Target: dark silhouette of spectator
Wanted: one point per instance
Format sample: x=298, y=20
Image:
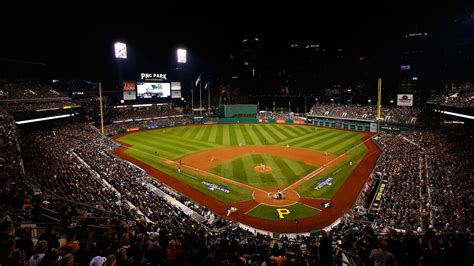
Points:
x=381, y=256
x=50, y=237
x=325, y=248
x=6, y=250
x=41, y=250
x=411, y=248
x=25, y=242
x=17, y=258
x=394, y=245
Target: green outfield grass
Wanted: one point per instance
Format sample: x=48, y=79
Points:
x=284, y=171
x=193, y=179
x=338, y=174
x=177, y=142
x=297, y=211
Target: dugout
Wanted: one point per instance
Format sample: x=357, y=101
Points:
x=238, y=111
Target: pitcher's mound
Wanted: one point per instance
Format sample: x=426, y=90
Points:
x=262, y=168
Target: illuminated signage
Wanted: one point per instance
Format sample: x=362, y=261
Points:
x=405, y=99
x=405, y=67
x=147, y=76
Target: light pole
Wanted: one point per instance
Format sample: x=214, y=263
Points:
x=120, y=49
x=181, y=59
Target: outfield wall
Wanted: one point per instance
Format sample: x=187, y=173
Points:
x=255, y=120
x=203, y=121
x=349, y=124
x=233, y=110
x=361, y=125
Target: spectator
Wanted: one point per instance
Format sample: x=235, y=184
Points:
x=381, y=256
x=50, y=237
x=41, y=250
x=325, y=248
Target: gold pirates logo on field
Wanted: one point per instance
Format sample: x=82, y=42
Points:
x=283, y=212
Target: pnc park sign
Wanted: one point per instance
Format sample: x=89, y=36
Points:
x=152, y=76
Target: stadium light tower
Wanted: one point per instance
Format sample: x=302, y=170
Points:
x=181, y=55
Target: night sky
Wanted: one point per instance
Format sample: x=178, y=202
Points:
x=79, y=44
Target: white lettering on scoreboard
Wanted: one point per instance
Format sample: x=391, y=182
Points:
x=145, y=76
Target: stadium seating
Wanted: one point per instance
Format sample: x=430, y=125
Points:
x=388, y=113
x=108, y=211
x=121, y=114
x=461, y=96
x=27, y=89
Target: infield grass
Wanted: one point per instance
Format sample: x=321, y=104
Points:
x=297, y=211
x=176, y=142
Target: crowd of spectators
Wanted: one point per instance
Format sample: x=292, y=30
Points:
x=115, y=128
x=172, y=238
x=10, y=155
x=408, y=115
x=118, y=219
x=132, y=113
x=130, y=183
x=49, y=160
x=35, y=105
x=447, y=150
x=399, y=166
x=26, y=89
x=461, y=96
x=277, y=116
x=30, y=95
x=377, y=244
x=449, y=153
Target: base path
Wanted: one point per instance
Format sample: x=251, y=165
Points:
x=208, y=159
x=341, y=202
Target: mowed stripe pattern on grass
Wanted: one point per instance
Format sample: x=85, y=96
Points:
x=177, y=142
x=284, y=171
x=173, y=143
x=236, y=134
x=193, y=179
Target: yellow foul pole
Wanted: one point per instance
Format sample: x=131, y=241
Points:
x=101, y=111
x=379, y=99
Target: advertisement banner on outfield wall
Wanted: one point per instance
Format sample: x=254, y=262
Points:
x=133, y=129
x=280, y=121
x=298, y=122
x=405, y=99
x=373, y=127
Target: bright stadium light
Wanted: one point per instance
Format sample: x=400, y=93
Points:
x=43, y=119
x=120, y=50
x=181, y=53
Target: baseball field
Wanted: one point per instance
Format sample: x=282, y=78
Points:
x=280, y=178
